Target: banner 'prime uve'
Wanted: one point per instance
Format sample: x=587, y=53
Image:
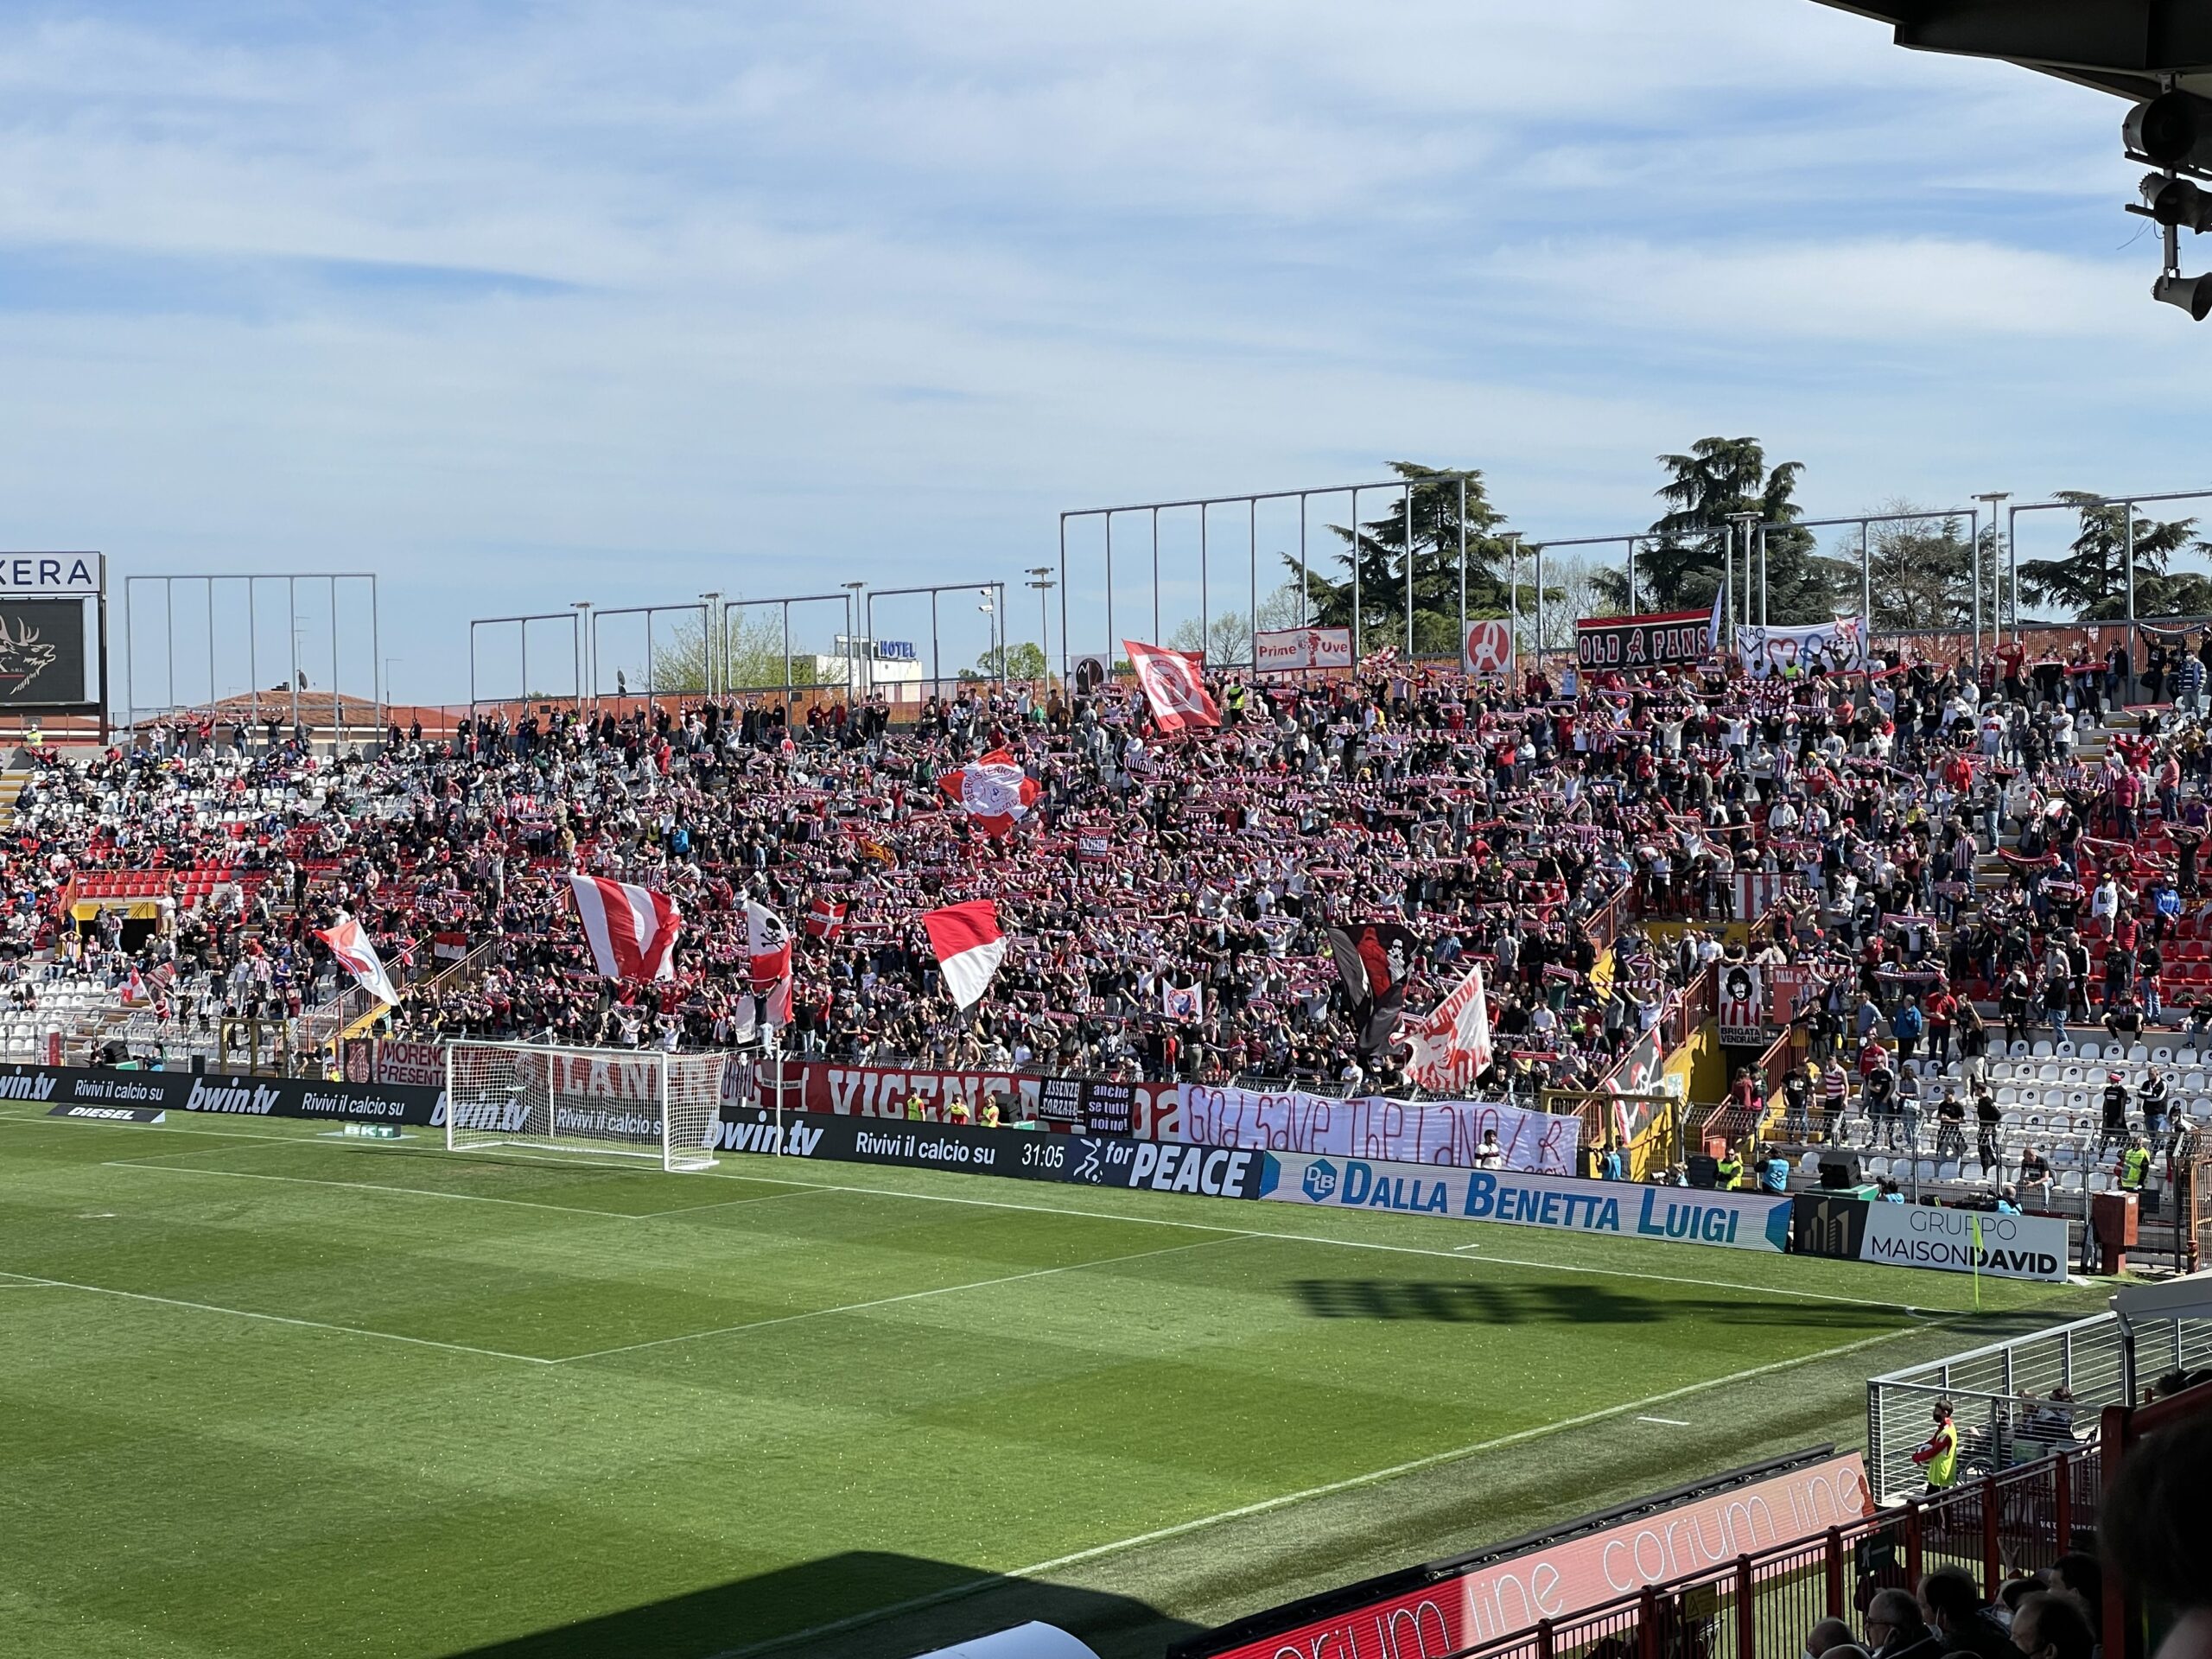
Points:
x=1742, y=1221
x=1667, y=640
x=1427, y=1132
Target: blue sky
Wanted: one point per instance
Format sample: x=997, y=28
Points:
x=519, y=305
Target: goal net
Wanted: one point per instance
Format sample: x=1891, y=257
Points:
x=610, y=1102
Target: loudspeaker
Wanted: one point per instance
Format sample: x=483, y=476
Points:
x=1837, y=1174
x=1704, y=1170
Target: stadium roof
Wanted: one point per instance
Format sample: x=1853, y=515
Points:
x=2122, y=47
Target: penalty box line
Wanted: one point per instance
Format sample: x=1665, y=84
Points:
x=1372, y=1477
x=29, y=1279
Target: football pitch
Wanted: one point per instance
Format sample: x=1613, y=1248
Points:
x=266, y=1391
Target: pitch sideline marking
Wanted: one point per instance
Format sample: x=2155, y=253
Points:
x=1907, y=1308
x=1284, y=1500
x=29, y=1280
x=886, y=1301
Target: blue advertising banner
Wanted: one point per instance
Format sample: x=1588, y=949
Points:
x=1682, y=1215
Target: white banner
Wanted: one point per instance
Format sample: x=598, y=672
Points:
x=1742, y=1007
x=1488, y=648
x=1426, y=1132
x=1837, y=646
x=1960, y=1241
x=1283, y=649
x=1685, y=1215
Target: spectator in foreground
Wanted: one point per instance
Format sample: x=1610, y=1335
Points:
x=2157, y=1528
x=1950, y=1600
x=2053, y=1624
x=1895, y=1629
x=1827, y=1637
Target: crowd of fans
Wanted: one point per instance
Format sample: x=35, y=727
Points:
x=1516, y=828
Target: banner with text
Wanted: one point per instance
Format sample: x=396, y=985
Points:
x=1593, y=1566
x=1836, y=646
x=1680, y=1215
x=1147, y=1110
x=1626, y=643
x=1284, y=650
x=1423, y=1132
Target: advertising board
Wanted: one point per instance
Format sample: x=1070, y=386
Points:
x=183, y=1091
x=1497, y=1596
x=1282, y=650
x=1741, y=1221
x=1144, y=1109
x=1024, y=1154
x=1928, y=1235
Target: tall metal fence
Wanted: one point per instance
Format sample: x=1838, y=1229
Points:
x=2001, y=1394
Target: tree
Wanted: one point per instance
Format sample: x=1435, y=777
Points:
x=1023, y=661
x=1680, y=567
x=1921, y=571
x=754, y=662
x=2091, y=581
x=1380, y=546
x=1573, y=588
x=1226, y=639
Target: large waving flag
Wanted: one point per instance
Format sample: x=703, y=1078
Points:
x=968, y=946
x=994, y=791
x=1452, y=1043
x=631, y=929
x=1172, y=687
x=1713, y=624
x=768, y=949
x=350, y=946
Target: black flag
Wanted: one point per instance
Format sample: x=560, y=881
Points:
x=1374, y=960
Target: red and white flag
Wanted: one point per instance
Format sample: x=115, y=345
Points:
x=631, y=929
x=1452, y=1044
x=825, y=919
x=350, y=946
x=994, y=791
x=768, y=948
x=1171, y=688
x=966, y=940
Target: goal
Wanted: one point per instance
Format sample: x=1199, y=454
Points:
x=610, y=1102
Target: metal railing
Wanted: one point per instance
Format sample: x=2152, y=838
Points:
x=1988, y=1388
x=1765, y=1603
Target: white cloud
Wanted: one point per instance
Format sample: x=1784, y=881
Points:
x=869, y=288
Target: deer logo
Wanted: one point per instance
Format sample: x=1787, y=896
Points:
x=23, y=659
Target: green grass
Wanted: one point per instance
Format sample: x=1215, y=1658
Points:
x=500, y=1404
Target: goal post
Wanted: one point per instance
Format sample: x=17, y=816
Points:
x=592, y=1102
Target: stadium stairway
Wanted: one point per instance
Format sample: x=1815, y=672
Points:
x=11, y=786
x=1989, y=874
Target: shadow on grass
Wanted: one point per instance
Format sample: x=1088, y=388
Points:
x=1457, y=1302
x=819, y=1609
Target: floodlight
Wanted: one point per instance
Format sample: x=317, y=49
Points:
x=2177, y=202
x=2192, y=294
x=2173, y=130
